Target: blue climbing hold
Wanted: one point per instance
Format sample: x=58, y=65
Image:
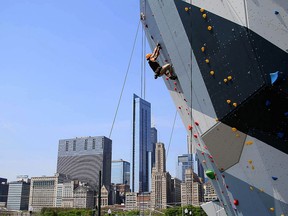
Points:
x=268, y=103
x=276, y=12
x=274, y=77
x=274, y=178
x=280, y=135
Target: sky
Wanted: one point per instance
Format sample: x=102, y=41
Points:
x=62, y=68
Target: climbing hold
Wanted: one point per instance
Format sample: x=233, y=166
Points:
x=175, y=83
x=235, y=104
x=225, y=80
x=202, y=153
x=210, y=174
x=186, y=9
x=205, y=147
x=274, y=77
x=228, y=101
x=249, y=142
x=196, y=123
x=210, y=156
x=261, y=190
x=229, y=78
x=274, y=178
x=175, y=89
x=236, y=202
x=216, y=119
x=167, y=78
x=190, y=127
x=209, y=28
x=202, y=10
x=185, y=100
x=280, y=135
x=207, y=61
x=204, y=161
x=204, y=16
x=212, y=72
x=252, y=167
x=234, y=129
x=276, y=12
x=251, y=188
x=272, y=209
x=227, y=186
x=250, y=161
x=179, y=107
x=203, y=49
x=223, y=175
x=237, y=135
x=195, y=135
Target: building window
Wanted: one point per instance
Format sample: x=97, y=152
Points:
x=94, y=144
x=74, y=145
x=85, y=144
x=67, y=145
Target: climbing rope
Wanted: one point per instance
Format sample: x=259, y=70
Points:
x=171, y=134
x=123, y=86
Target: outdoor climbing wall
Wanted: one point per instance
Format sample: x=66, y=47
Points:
x=231, y=92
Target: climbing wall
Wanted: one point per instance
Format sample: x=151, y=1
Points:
x=231, y=93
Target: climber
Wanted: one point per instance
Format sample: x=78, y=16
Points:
x=158, y=70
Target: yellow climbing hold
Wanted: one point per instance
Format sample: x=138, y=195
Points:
x=209, y=28
x=186, y=9
x=204, y=16
x=203, y=49
x=237, y=135
x=272, y=209
x=225, y=80
x=216, y=119
x=249, y=142
x=207, y=61
x=252, y=167
x=202, y=10
x=229, y=78
x=212, y=72
x=234, y=129
x=250, y=161
x=251, y=188
x=228, y=101
x=235, y=104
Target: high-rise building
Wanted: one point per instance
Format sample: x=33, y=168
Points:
x=209, y=192
x=120, y=172
x=153, y=144
x=18, y=195
x=83, y=158
x=191, y=189
x=44, y=191
x=161, y=180
x=142, y=146
x=175, y=191
x=185, y=161
x=3, y=190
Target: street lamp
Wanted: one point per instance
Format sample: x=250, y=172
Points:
x=190, y=213
x=186, y=211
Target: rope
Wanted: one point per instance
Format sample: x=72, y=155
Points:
x=116, y=112
x=171, y=134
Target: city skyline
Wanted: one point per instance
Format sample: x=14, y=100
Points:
x=63, y=66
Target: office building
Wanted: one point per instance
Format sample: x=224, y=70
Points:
x=83, y=197
x=83, y=158
x=154, y=139
x=141, y=146
x=18, y=195
x=185, y=161
x=44, y=191
x=191, y=189
x=120, y=172
x=161, y=180
x=209, y=192
x=175, y=191
x=3, y=191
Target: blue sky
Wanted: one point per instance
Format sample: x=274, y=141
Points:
x=62, y=67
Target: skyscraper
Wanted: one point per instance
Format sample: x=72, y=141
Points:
x=142, y=146
x=185, y=161
x=83, y=158
x=161, y=180
x=153, y=145
x=18, y=195
x=120, y=172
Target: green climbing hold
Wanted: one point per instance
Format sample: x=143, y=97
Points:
x=210, y=174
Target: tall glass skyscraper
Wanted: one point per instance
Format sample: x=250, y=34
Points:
x=142, y=146
x=120, y=172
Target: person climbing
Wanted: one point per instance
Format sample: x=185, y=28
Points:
x=159, y=70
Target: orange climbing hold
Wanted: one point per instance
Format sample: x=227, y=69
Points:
x=250, y=161
x=234, y=129
x=228, y=101
x=202, y=10
x=190, y=127
x=249, y=142
x=212, y=72
x=207, y=61
x=209, y=28
x=235, y=104
x=186, y=9
x=203, y=49
x=272, y=209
